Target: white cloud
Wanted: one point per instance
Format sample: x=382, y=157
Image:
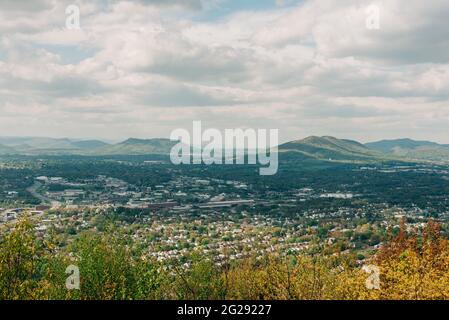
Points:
x=151, y=65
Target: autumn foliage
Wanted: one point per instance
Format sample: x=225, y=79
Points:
x=414, y=264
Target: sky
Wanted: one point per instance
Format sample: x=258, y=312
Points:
x=143, y=68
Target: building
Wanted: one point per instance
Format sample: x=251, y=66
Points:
x=224, y=204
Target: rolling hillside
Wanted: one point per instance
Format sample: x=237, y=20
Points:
x=312, y=148
x=136, y=147
x=50, y=146
x=5, y=150
x=89, y=144
x=38, y=146
x=37, y=143
x=331, y=149
x=412, y=149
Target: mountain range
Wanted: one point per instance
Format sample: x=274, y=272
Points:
x=330, y=148
x=136, y=147
x=411, y=149
x=51, y=146
x=34, y=145
x=315, y=148
x=343, y=150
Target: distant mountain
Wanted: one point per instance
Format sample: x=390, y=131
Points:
x=389, y=146
x=312, y=148
x=412, y=149
x=49, y=146
x=89, y=144
x=5, y=150
x=137, y=147
x=330, y=148
x=37, y=143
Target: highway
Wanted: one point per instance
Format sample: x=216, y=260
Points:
x=33, y=191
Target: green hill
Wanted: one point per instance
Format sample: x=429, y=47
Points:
x=312, y=148
x=49, y=146
x=37, y=143
x=331, y=149
x=412, y=149
x=137, y=147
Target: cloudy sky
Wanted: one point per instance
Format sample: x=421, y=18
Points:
x=145, y=67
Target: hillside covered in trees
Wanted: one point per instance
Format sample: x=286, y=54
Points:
x=412, y=264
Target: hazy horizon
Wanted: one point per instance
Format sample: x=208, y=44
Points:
x=115, y=141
